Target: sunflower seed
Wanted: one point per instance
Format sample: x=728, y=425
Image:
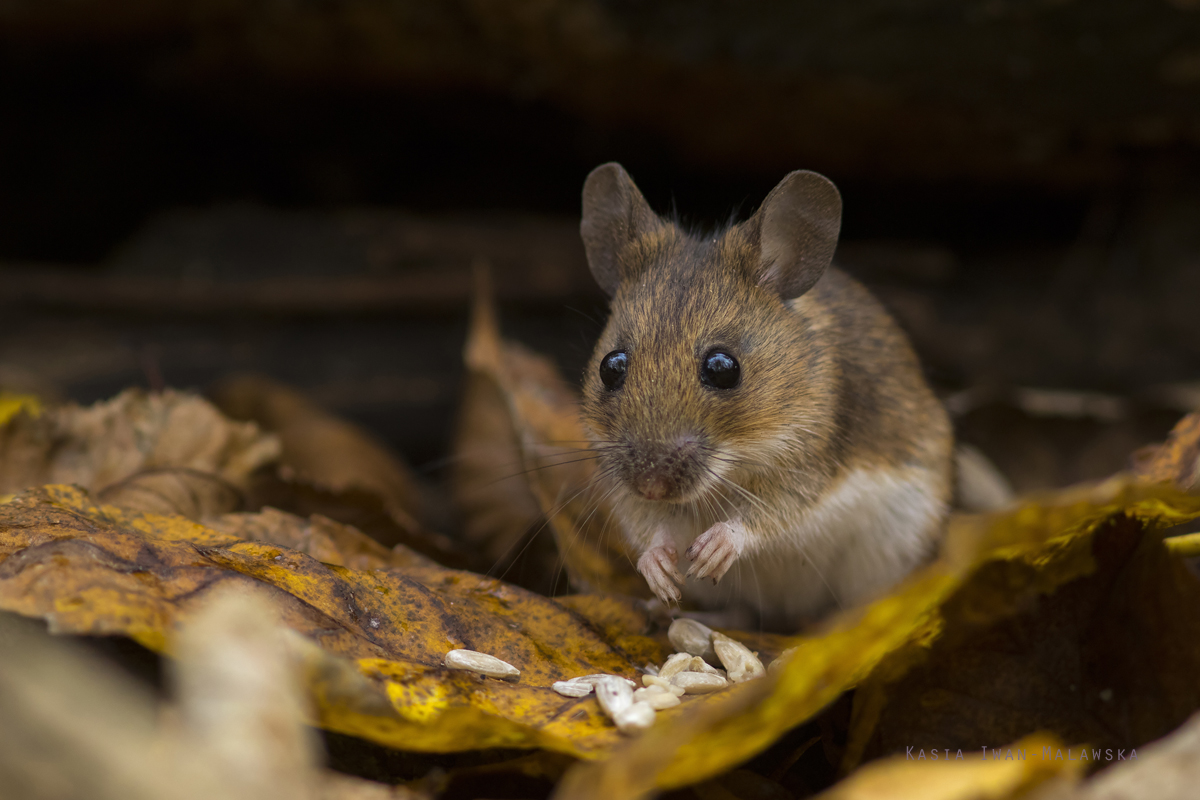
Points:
x=481, y=663
x=572, y=688
x=666, y=700
x=740, y=663
x=614, y=695
x=694, y=638
x=658, y=697
x=635, y=718
x=583, y=685
x=654, y=680
x=675, y=663
x=698, y=664
x=699, y=682
x=595, y=676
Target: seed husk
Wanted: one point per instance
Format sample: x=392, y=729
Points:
x=693, y=638
x=699, y=682
x=481, y=663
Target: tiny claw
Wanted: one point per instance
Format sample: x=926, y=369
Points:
x=714, y=551
x=657, y=566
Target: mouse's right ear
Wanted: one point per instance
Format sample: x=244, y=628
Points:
x=614, y=214
x=798, y=226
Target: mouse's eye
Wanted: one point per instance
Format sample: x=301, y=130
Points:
x=720, y=370
x=613, y=368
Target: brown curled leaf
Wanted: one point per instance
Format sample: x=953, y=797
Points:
x=551, y=452
x=1176, y=460
x=157, y=449
x=331, y=467
x=173, y=490
x=491, y=491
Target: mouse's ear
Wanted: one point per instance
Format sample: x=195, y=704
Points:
x=614, y=214
x=798, y=227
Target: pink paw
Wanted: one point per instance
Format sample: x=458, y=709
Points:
x=657, y=566
x=714, y=551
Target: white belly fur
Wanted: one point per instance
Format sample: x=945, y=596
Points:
x=861, y=539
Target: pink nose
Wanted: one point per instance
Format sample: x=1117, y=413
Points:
x=652, y=486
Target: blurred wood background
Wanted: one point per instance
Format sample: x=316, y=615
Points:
x=193, y=188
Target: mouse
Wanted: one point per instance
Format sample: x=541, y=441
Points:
x=764, y=433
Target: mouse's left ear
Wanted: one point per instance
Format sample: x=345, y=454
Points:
x=798, y=227
x=614, y=215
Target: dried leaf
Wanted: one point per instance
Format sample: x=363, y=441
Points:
x=72, y=727
x=333, y=468
x=1177, y=460
x=366, y=512
x=491, y=492
x=101, y=570
x=320, y=537
x=323, y=450
x=241, y=708
x=552, y=443
x=186, y=492
x=1107, y=657
x=101, y=447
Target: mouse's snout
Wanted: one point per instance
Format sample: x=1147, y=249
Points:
x=666, y=470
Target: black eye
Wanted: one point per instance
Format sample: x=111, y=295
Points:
x=612, y=369
x=720, y=370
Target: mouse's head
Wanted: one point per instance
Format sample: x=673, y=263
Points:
x=704, y=370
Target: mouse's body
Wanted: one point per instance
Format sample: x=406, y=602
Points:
x=760, y=419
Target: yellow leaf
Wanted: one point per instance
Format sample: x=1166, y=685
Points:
x=103, y=570
x=13, y=404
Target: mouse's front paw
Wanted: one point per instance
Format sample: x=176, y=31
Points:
x=715, y=550
x=657, y=566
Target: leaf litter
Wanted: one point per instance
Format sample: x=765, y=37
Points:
x=1062, y=617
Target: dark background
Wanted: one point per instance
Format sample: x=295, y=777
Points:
x=189, y=189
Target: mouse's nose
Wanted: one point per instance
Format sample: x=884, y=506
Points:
x=652, y=486
x=666, y=470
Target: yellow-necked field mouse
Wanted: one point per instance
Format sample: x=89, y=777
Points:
x=762, y=425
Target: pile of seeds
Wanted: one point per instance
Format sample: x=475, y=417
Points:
x=692, y=670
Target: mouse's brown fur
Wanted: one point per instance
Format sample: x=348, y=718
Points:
x=830, y=404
